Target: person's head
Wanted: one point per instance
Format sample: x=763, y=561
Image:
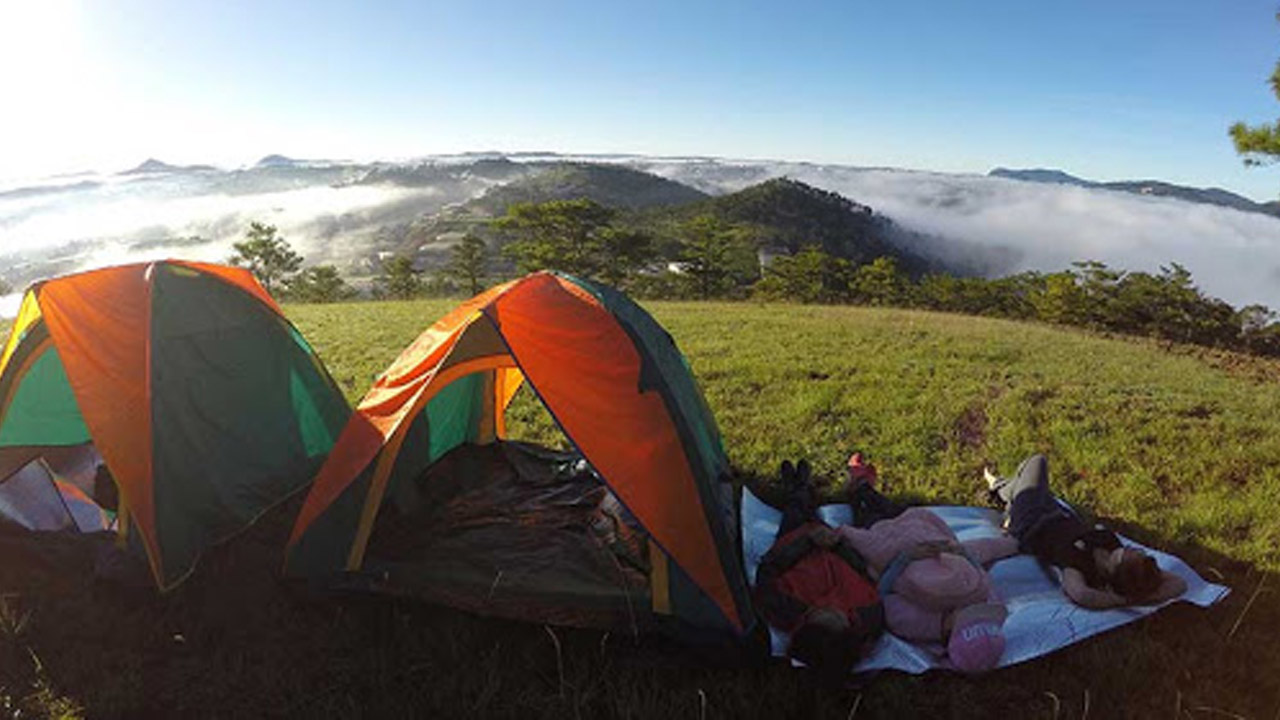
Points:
x=826, y=643
x=1134, y=574
x=977, y=637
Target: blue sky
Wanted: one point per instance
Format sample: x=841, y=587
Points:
x=1106, y=90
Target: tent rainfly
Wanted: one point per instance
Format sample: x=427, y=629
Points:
x=615, y=383
x=205, y=404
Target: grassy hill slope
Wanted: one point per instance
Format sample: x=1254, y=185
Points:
x=1179, y=449
x=784, y=215
x=610, y=185
x=1165, y=440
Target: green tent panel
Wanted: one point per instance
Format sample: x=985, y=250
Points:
x=43, y=410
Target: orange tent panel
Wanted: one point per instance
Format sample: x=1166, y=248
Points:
x=101, y=324
x=587, y=370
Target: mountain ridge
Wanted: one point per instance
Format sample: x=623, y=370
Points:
x=782, y=215
x=152, y=165
x=1158, y=188
x=353, y=213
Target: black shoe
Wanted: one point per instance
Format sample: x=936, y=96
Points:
x=803, y=473
x=787, y=477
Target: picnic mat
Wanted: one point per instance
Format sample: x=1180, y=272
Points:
x=1041, y=618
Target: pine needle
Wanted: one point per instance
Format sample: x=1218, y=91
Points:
x=854, y=710
x=1057, y=704
x=1247, y=605
x=559, y=657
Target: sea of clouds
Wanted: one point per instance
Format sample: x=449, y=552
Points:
x=118, y=222
x=1012, y=225
x=1232, y=254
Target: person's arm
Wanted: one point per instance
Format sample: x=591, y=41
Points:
x=853, y=540
x=1171, y=586
x=845, y=550
x=1074, y=585
x=853, y=535
x=989, y=550
x=824, y=537
x=786, y=553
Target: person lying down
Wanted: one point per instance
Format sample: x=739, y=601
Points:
x=897, y=567
x=1094, y=568
x=813, y=586
x=935, y=588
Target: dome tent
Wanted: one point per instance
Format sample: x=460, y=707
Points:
x=623, y=395
x=203, y=401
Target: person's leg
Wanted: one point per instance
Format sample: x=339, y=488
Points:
x=802, y=503
x=800, y=509
x=1033, y=476
x=1028, y=497
x=870, y=507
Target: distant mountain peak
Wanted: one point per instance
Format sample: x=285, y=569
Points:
x=1040, y=175
x=151, y=165
x=276, y=161
x=1153, y=188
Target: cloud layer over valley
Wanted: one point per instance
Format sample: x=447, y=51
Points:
x=1232, y=254
x=330, y=215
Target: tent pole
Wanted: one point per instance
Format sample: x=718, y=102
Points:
x=122, y=520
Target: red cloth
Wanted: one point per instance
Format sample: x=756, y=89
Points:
x=823, y=579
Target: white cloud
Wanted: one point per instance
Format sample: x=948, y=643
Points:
x=124, y=214
x=1233, y=255
x=9, y=305
x=126, y=219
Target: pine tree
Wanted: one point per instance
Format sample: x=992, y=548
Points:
x=267, y=255
x=1259, y=144
x=470, y=262
x=400, y=280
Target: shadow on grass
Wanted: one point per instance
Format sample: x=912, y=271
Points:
x=236, y=641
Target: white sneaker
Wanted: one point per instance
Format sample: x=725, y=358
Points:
x=990, y=477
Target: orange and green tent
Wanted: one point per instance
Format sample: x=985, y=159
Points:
x=615, y=383
x=205, y=404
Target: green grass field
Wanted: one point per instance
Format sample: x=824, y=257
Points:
x=1177, y=447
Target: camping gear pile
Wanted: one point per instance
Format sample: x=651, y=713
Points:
x=170, y=404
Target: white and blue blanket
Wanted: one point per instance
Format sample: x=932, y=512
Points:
x=1041, y=618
